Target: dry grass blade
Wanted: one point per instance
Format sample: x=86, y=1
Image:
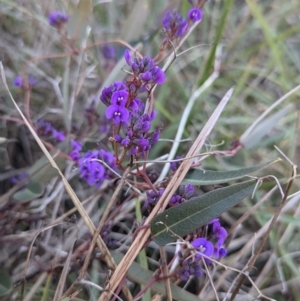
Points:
x=63, y=276
x=165, y=273
x=144, y=233
x=100, y=243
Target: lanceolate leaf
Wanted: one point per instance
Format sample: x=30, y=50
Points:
x=33, y=190
x=187, y=217
x=205, y=177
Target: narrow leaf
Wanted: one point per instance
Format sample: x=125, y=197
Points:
x=264, y=128
x=32, y=191
x=142, y=276
x=190, y=216
x=6, y=284
x=218, y=35
x=208, y=177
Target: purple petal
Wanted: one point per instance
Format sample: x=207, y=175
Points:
x=134, y=105
x=110, y=111
x=119, y=98
x=127, y=57
x=146, y=76
x=158, y=75
x=199, y=242
x=18, y=82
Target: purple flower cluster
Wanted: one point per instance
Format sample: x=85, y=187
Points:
x=219, y=235
x=152, y=198
x=57, y=19
x=90, y=169
x=144, y=70
x=184, y=193
x=45, y=128
x=190, y=264
x=127, y=111
x=175, y=25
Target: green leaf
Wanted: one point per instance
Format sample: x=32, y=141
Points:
x=5, y=283
x=208, y=177
x=190, y=216
x=142, y=276
x=218, y=35
x=32, y=191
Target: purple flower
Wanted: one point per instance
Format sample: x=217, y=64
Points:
x=147, y=76
x=75, y=151
x=152, y=198
x=45, y=127
x=108, y=52
x=188, y=267
x=134, y=105
x=107, y=93
x=75, y=155
x=59, y=136
x=174, y=165
x=118, y=113
x=91, y=170
x=76, y=145
x=219, y=231
x=18, y=82
x=57, y=19
x=195, y=14
x=203, y=245
x=158, y=75
x=125, y=142
x=108, y=158
x=219, y=252
x=184, y=193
